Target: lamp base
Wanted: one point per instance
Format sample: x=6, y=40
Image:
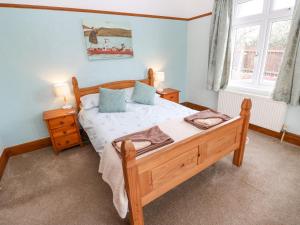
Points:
x=67, y=107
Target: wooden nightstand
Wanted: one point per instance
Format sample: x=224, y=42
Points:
x=170, y=94
x=63, y=128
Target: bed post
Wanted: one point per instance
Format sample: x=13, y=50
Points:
x=132, y=184
x=245, y=114
x=151, y=77
x=76, y=92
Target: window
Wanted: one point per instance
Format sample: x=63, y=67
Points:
x=249, y=8
x=283, y=4
x=259, y=38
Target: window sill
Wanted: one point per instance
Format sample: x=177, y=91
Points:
x=251, y=90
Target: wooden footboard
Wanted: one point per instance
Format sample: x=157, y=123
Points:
x=150, y=177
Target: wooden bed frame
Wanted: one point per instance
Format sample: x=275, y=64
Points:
x=150, y=177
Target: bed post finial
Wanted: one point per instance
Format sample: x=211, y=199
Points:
x=132, y=184
x=245, y=115
x=151, y=77
x=246, y=106
x=128, y=151
x=76, y=91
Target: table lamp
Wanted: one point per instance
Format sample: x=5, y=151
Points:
x=62, y=90
x=159, y=78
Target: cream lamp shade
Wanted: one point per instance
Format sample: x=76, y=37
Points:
x=160, y=76
x=62, y=90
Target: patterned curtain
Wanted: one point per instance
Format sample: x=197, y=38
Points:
x=219, y=46
x=288, y=83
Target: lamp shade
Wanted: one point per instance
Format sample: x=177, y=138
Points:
x=61, y=89
x=160, y=76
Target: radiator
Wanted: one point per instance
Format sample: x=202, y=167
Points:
x=265, y=112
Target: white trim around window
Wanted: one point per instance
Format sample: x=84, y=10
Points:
x=264, y=20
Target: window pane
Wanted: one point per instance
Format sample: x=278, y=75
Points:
x=278, y=41
x=245, y=53
x=283, y=4
x=249, y=8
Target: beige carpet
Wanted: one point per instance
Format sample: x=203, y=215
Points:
x=41, y=188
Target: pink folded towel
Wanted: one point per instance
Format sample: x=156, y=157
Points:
x=206, y=119
x=144, y=141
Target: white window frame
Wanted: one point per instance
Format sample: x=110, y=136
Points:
x=265, y=20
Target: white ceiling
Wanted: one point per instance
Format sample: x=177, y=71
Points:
x=176, y=8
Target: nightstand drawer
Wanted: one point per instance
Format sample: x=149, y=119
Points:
x=60, y=122
x=68, y=140
x=172, y=97
x=58, y=132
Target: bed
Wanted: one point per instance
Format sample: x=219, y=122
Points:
x=136, y=181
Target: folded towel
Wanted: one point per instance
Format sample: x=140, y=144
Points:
x=206, y=119
x=144, y=141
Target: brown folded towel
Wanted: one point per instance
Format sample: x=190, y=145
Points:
x=206, y=119
x=144, y=141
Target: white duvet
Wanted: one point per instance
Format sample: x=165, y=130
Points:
x=103, y=128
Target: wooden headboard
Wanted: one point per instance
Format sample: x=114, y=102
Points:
x=79, y=92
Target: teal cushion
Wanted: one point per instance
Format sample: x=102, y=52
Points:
x=143, y=93
x=112, y=100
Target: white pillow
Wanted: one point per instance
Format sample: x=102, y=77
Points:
x=90, y=101
x=128, y=94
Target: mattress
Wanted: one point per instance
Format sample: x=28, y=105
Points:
x=103, y=128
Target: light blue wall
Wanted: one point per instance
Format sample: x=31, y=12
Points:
x=39, y=48
x=197, y=55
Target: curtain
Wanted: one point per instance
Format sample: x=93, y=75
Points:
x=287, y=87
x=219, y=45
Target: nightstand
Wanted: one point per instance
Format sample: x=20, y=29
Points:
x=169, y=94
x=63, y=128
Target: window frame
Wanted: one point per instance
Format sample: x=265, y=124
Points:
x=265, y=20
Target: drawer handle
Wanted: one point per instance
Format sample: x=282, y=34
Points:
x=65, y=132
x=61, y=122
x=182, y=165
x=67, y=142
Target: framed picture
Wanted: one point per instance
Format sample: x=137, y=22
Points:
x=107, y=40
